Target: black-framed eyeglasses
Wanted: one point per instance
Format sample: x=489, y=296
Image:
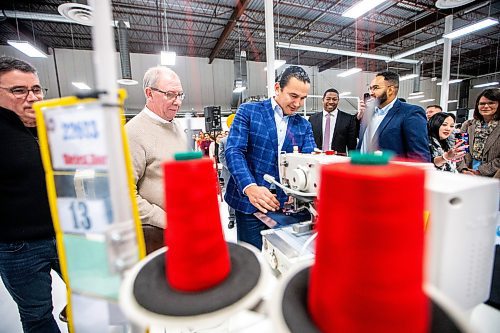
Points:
x=170, y=94
x=376, y=87
x=22, y=92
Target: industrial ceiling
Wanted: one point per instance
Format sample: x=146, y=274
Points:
x=216, y=28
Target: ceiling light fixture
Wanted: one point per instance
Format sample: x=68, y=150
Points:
x=408, y=77
x=345, y=93
x=427, y=100
x=277, y=64
x=416, y=97
x=482, y=85
x=453, y=101
x=351, y=71
x=26, y=48
x=300, y=47
x=362, y=7
x=416, y=93
x=419, y=49
x=450, y=82
x=81, y=85
x=488, y=22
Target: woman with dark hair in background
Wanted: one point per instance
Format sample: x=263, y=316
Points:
x=444, y=151
x=484, y=156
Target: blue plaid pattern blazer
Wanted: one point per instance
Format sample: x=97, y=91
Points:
x=252, y=150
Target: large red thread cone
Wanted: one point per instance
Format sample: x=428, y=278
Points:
x=367, y=276
x=197, y=256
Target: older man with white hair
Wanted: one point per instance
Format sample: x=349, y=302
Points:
x=154, y=136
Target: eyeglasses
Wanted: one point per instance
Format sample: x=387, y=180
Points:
x=169, y=94
x=375, y=87
x=490, y=104
x=23, y=92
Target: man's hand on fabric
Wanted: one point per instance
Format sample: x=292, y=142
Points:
x=262, y=198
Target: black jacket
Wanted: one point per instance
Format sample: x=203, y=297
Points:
x=24, y=206
x=344, y=133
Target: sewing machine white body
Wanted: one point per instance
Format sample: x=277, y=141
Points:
x=460, y=235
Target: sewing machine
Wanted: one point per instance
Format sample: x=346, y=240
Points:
x=460, y=235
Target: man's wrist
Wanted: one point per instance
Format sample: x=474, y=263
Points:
x=246, y=187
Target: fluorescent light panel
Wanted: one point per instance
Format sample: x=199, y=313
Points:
x=416, y=93
x=453, y=101
x=167, y=58
x=277, y=64
x=416, y=97
x=419, y=49
x=345, y=93
x=362, y=7
x=127, y=82
x=427, y=100
x=408, y=77
x=450, y=82
x=27, y=48
x=482, y=85
x=81, y=85
x=488, y=22
x=351, y=71
x=239, y=89
x=343, y=52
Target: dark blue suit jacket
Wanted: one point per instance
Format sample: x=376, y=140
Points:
x=403, y=131
x=252, y=150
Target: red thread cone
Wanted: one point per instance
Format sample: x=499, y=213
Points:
x=197, y=256
x=368, y=271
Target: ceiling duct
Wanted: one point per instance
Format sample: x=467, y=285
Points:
x=240, y=78
x=123, y=47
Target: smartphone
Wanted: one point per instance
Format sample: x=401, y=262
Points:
x=366, y=97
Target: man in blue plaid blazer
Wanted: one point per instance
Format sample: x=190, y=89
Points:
x=260, y=131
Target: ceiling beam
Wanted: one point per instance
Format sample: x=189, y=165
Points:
x=238, y=11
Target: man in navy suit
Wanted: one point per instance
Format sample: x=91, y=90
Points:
x=395, y=126
x=333, y=129
x=260, y=131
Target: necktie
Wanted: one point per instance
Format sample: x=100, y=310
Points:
x=326, y=135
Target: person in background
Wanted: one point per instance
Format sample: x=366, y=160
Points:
x=214, y=148
x=154, y=136
x=394, y=126
x=432, y=110
x=205, y=144
x=483, y=158
x=333, y=129
x=27, y=241
x=226, y=175
x=445, y=153
x=260, y=131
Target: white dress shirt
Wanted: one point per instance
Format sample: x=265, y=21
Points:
x=281, y=123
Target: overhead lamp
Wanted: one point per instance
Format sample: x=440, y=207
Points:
x=240, y=89
x=416, y=97
x=453, y=101
x=167, y=58
x=419, y=49
x=482, y=85
x=362, y=7
x=26, y=48
x=427, y=100
x=345, y=93
x=238, y=86
x=351, y=71
x=127, y=82
x=277, y=64
x=468, y=29
x=408, y=77
x=450, y=82
x=416, y=93
x=81, y=85
x=300, y=47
